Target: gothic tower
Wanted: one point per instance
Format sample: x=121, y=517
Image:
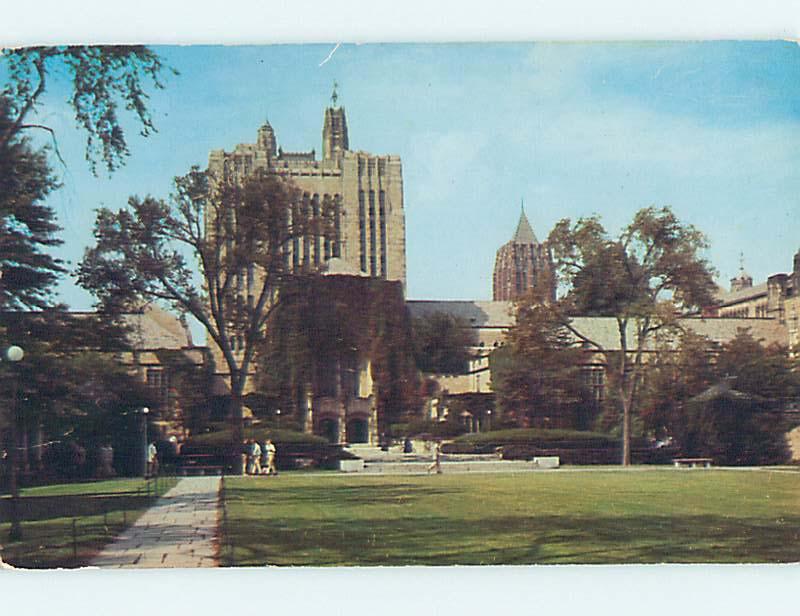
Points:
x=334, y=133
x=523, y=264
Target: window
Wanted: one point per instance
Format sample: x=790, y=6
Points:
x=157, y=382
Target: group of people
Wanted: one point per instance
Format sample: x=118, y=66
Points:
x=260, y=460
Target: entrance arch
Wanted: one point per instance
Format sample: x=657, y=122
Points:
x=329, y=429
x=358, y=431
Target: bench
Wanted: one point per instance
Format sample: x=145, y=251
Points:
x=691, y=462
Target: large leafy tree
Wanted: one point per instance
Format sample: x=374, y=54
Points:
x=441, y=343
x=240, y=232
x=28, y=226
x=681, y=369
x=642, y=279
x=104, y=80
x=537, y=373
x=739, y=419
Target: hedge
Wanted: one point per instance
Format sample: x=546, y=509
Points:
x=537, y=436
x=219, y=438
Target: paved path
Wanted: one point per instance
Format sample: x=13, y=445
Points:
x=180, y=530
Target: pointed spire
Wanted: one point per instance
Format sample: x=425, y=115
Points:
x=335, y=94
x=524, y=233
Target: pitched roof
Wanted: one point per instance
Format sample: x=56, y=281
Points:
x=524, y=233
x=155, y=328
x=476, y=313
x=602, y=330
x=734, y=297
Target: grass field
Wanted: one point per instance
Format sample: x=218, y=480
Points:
x=651, y=516
x=100, y=510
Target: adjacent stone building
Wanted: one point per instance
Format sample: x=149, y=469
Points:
x=523, y=265
x=777, y=298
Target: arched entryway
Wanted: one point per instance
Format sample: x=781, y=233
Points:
x=329, y=429
x=358, y=431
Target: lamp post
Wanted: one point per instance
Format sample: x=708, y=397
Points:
x=488, y=420
x=278, y=420
x=144, y=413
x=14, y=354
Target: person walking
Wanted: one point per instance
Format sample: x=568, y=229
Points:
x=437, y=459
x=256, y=453
x=152, y=460
x=270, y=451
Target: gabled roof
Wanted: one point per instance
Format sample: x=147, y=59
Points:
x=748, y=293
x=476, y=313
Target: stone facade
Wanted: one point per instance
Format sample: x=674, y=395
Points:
x=523, y=265
x=363, y=191
x=772, y=299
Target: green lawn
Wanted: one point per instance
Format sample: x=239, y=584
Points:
x=100, y=510
x=647, y=516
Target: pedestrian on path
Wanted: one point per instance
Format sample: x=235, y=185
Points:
x=256, y=458
x=437, y=459
x=269, y=452
x=152, y=460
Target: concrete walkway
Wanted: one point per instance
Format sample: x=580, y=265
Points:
x=180, y=530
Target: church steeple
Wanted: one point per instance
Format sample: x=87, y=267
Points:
x=334, y=129
x=524, y=233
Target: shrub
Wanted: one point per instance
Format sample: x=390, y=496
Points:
x=218, y=438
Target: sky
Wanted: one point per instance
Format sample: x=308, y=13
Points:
x=711, y=129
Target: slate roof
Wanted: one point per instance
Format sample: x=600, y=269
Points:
x=603, y=330
x=155, y=328
x=726, y=299
x=478, y=314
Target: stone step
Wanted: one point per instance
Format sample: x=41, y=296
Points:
x=450, y=466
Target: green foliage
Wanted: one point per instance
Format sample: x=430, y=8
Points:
x=441, y=343
x=238, y=232
x=536, y=435
x=766, y=371
x=329, y=323
x=537, y=373
x=27, y=225
x=733, y=432
x=654, y=269
x=103, y=78
x=219, y=437
x=435, y=429
x=743, y=424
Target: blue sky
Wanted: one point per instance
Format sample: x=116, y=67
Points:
x=712, y=129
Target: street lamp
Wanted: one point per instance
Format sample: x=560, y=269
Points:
x=278, y=413
x=488, y=420
x=144, y=413
x=14, y=354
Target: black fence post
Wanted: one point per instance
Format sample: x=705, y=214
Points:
x=74, y=538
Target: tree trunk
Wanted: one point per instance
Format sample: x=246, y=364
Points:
x=237, y=424
x=626, y=428
x=625, y=391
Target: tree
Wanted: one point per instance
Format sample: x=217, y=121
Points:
x=102, y=78
x=641, y=279
x=27, y=225
x=723, y=401
x=537, y=373
x=239, y=232
x=441, y=343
